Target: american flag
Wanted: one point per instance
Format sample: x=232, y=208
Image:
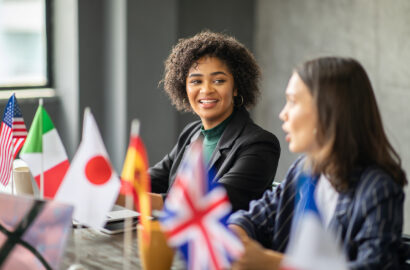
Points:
x=194, y=216
x=13, y=134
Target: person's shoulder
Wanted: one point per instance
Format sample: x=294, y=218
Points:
x=192, y=126
x=295, y=169
x=374, y=180
x=189, y=130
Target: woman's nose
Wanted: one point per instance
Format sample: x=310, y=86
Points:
x=283, y=114
x=207, y=87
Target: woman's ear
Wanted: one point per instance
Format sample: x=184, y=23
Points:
x=235, y=92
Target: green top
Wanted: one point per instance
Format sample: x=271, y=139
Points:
x=211, y=138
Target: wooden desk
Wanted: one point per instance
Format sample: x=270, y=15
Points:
x=102, y=251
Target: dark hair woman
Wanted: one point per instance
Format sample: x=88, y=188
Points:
x=216, y=77
x=332, y=117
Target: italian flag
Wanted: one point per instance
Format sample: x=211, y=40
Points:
x=44, y=152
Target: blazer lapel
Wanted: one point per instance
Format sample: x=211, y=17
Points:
x=341, y=220
x=231, y=133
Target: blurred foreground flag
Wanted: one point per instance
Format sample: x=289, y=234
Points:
x=44, y=153
x=136, y=180
x=33, y=233
x=90, y=184
x=195, y=214
x=13, y=134
x=311, y=247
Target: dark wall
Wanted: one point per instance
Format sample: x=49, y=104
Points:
x=91, y=47
x=152, y=30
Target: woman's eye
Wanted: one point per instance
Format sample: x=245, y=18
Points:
x=195, y=82
x=220, y=81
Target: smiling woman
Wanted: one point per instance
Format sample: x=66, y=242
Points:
x=210, y=90
x=216, y=77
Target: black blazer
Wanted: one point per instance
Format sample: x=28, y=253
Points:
x=244, y=160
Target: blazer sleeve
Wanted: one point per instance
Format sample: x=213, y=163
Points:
x=378, y=240
x=252, y=171
x=160, y=173
x=259, y=220
x=269, y=219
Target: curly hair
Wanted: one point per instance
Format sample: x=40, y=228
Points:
x=236, y=56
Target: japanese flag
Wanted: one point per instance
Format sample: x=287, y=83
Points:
x=91, y=184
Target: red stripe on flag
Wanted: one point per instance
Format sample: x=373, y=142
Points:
x=53, y=178
x=17, y=145
x=6, y=155
x=19, y=136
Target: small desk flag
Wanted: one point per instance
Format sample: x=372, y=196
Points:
x=13, y=134
x=44, y=153
x=90, y=184
x=311, y=246
x=195, y=214
x=136, y=180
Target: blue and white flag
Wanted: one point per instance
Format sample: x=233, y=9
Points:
x=311, y=246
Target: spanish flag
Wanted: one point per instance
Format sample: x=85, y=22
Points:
x=136, y=180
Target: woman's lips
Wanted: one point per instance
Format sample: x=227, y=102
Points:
x=208, y=103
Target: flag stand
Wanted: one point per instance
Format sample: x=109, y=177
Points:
x=77, y=247
x=127, y=234
x=135, y=126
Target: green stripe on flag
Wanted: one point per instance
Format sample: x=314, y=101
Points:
x=34, y=141
x=41, y=125
x=47, y=123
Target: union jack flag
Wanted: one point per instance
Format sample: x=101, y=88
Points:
x=13, y=134
x=195, y=214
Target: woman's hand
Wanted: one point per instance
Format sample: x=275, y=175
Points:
x=156, y=201
x=255, y=256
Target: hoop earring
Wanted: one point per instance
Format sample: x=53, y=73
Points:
x=240, y=104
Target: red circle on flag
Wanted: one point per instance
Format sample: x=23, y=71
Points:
x=98, y=170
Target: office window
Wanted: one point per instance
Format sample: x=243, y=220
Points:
x=24, y=48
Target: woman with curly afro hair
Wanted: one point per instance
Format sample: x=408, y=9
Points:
x=216, y=77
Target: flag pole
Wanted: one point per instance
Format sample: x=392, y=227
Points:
x=40, y=103
x=77, y=232
x=12, y=169
x=135, y=130
x=12, y=162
